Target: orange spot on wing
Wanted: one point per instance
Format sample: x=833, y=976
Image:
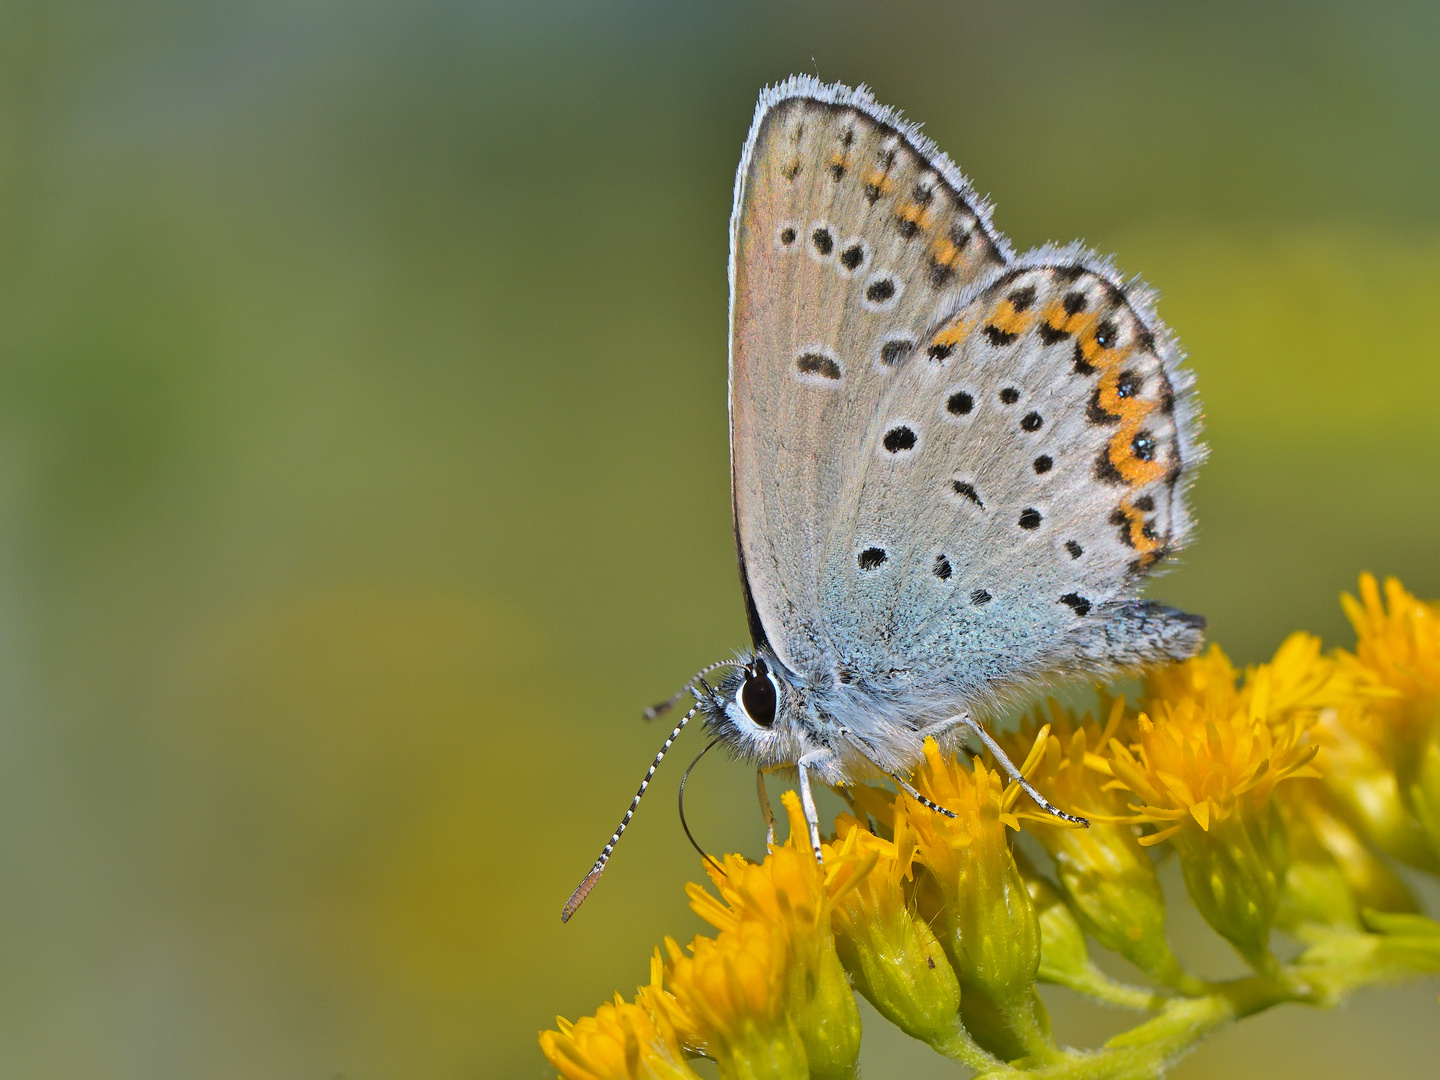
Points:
x=881, y=183
x=1148, y=546
x=916, y=214
x=1132, y=412
x=1078, y=325
x=1005, y=317
x=945, y=253
x=1137, y=473
x=952, y=335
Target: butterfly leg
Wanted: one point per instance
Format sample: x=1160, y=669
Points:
x=765, y=810
x=900, y=782
x=807, y=800
x=1015, y=774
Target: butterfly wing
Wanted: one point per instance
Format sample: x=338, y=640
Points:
x=850, y=232
x=1022, y=474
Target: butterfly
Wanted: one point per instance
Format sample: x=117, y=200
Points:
x=953, y=467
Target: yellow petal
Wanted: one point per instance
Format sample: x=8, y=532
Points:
x=1201, y=813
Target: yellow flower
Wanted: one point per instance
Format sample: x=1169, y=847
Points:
x=987, y=922
x=780, y=907
x=620, y=1042
x=1205, y=767
x=729, y=996
x=1398, y=639
x=1398, y=646
x=1214, y=748
x=1106, y=876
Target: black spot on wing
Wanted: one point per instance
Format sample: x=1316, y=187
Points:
x=998, y=337
x=1021, y=299
x=968, y=490
x=942, y=568
x=1105, y=470
x=871, y=558
x=1121, y=521
x=899, y=438
x=818, y=364
x=1076, y=603
x=1097, y=413
x=895, y=350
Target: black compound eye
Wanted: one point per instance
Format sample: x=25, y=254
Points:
x=758, y=697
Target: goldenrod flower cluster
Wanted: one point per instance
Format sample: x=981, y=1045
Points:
x=1289, y=792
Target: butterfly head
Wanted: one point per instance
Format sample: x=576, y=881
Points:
x=752, y=710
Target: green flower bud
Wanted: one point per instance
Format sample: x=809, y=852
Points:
x=987, y=923
x=1332, y=874
x=1363, y=785
x=893, y=956
x=1107, y=877
x=1064, y=955
x=1234, y=871
x=1423, y=792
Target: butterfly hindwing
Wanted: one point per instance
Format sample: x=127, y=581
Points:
x=1019, y=478
x=850, y=233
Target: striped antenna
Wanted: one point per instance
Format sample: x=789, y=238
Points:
x=689, y=688
x=583, y=889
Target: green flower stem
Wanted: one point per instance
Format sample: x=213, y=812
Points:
x=1143, y=1052
x=1094, y=983
x=1174, y=976
x=1025, y=1017
x=960, y=1047
x=1335, y=965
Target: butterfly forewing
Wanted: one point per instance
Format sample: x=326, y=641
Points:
x=850, y=235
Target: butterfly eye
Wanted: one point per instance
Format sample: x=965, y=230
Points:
x=758, y=696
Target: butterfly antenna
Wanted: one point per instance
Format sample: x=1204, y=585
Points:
x=683, y=823
x=689, y=688
x=584, y=888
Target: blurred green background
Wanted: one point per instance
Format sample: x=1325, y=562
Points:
x=363, y=469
